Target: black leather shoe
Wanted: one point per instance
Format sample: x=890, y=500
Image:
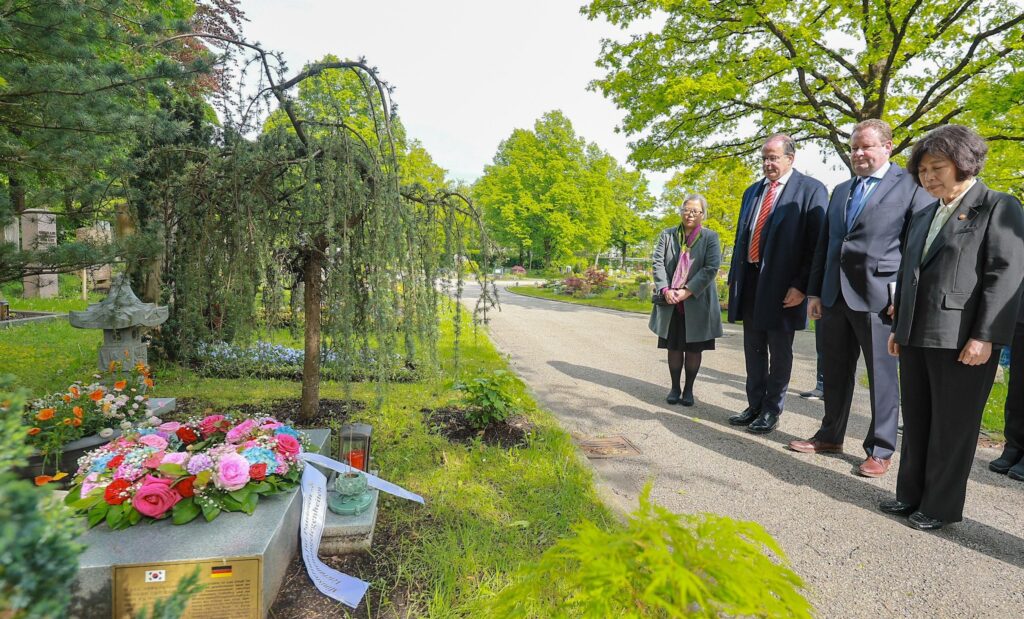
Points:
x=897, y=507
x=744, y=418
x=1005, y=462
x=923, y=523
x=1016, y=471
x=673, y=397
x=686, y=399
x=764, y=424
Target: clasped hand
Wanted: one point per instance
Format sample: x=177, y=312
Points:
x=974, y=352
x=673, y=295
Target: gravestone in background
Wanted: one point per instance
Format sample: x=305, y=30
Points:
x=39, y=231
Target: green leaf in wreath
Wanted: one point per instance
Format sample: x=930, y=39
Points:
x=74, y=496
x=202, y=478
x=241, y=495
x=174, y=470
x=210, y=511
x=134, y=517
x=261, y=487
x=249, y=505
x=230, y=504
x=184, y=511
x=114, y=516
x=97, y=513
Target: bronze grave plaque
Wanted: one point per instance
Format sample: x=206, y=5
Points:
x=232, y=587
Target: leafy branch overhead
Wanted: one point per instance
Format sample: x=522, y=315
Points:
x=718, y=77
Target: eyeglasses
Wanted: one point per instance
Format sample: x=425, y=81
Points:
x=691, y=213
x=773, y=158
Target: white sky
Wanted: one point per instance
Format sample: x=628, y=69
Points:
x=468, y=72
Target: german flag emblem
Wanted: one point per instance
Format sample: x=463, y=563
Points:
x=220, y=571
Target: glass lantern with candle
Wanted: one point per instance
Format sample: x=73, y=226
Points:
x=354, y=447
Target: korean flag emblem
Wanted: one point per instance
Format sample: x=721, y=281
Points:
x=156, y=575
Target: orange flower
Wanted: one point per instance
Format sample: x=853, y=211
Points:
x=45, y=414
x=42, y=480
x=112, y=366
x=75, y=422
x=75, y=392
x=96, y=396
x=148, y=381
x=106, y=407
x=34, y=431
x=67, y=421
x=67, y=398
x=120, y=385
x=77, y=411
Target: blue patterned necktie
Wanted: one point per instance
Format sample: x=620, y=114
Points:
x=857, y=201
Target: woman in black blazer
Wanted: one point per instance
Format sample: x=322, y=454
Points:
x=956, y=303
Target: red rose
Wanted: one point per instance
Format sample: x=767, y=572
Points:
x=258, y=471
x=184, y=487
x=115, y=462
x=114, y=493
x=186, y=435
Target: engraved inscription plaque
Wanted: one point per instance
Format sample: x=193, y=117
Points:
x=232, y=587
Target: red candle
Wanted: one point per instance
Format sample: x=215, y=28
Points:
x=356, y=459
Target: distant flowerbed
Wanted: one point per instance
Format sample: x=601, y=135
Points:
x=266, y=360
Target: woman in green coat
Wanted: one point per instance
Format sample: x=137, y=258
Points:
x=686, y=261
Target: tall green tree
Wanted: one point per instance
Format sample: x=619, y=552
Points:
x=722, y=183
x=78, y=82
x=718, y=77
x=549, y=195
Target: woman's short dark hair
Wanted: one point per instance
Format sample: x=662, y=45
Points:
x=965, y=148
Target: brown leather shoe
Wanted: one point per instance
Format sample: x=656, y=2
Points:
x=874, y=467
x=814, y=446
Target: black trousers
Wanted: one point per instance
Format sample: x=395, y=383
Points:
x=845, y=333
x=768, y=354
x=943, y=401
x=1014, y=411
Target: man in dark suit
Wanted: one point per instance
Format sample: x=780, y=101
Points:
x=856, y=258
x=780, y=218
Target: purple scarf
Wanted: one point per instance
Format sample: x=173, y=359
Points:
x=683, y=266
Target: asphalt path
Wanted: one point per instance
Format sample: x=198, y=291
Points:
x=600, y=373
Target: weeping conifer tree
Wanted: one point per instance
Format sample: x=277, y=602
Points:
x=316, y=199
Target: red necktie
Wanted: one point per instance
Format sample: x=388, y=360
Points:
x=766, y=210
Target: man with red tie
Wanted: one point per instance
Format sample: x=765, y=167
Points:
x=780, y=218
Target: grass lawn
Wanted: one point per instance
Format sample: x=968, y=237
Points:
x=488, y=509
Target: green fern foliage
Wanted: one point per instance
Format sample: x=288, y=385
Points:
x=660, y=564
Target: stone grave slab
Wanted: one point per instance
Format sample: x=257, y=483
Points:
x=271, y=533
x=161, y=406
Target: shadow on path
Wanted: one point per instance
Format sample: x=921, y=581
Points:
x=710, y=433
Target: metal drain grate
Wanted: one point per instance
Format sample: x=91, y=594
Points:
x=608, y=447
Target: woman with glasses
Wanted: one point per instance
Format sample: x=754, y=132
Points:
x=686, y=316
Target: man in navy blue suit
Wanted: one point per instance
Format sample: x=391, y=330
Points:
x=856, y=259
x=780, y=218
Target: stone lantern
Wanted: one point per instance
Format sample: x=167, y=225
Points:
x=122, y=316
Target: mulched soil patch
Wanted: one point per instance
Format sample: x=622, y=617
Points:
x=450, y=422
x=330, y=410
x=299, y=597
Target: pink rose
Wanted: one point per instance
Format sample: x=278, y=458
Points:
x=240, y=431
x=169, y=427
x=154, y=461
x=210, y=424
x=232, y=472
x=288, y=444
x=155, y=497
x=270, y=423
x=178, y=457
x=154, y=440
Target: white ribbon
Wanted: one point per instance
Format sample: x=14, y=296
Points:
x=332, y=583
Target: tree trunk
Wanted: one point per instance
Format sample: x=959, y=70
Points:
x=312, y=293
